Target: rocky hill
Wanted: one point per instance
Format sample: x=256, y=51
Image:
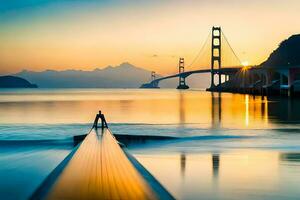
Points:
x=15, y=82
x=287, y=54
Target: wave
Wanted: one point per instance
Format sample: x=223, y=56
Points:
x=215, y=137
x=47, y=142
x=130, y=140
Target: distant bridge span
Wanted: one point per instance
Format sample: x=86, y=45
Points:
x=226, y=71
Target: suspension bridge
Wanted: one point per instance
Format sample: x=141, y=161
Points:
x=228, y=74
x=216, y=57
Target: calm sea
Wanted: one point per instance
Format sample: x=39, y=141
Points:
x=231, y=146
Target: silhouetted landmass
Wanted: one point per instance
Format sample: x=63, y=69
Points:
x=287, y=54
x=125, y=75
x=122, y=76
x=15, y=82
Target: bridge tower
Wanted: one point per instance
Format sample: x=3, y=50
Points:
x=215, y=54
x=153, y=75
x=182, y=85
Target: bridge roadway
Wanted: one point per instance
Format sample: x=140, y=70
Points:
x=229, y=70
x=99, y=168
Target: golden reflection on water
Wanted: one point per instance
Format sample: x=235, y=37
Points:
x=231, y=175
x=208, y=110
x=247, y=110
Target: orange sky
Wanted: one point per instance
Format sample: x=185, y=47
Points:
x=78, y=35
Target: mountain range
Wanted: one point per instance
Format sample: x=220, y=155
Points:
x=124, y=75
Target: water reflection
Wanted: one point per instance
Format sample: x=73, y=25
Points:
x=182, y=163
x=181, y=108
x=245, y=174
x=216, y=110
x=190, y=168
x=215, y=165
x=283, y=110
x=208, y=110
x=247, y=110
x=290, y=157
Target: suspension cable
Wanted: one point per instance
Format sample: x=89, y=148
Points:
x=200, y=51
x=231, y=48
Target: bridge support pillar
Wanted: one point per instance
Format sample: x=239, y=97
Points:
x=280, y=83
x=291, y=78
x=182, y=85
x=153, y=75
x=226, y=77
x=262, y=84
x=215, y=55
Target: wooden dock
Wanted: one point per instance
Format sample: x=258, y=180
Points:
x=99, y=168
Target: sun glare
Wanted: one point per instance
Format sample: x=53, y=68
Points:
x=245, y=63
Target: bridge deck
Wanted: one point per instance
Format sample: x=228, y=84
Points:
x=100, y=169
x=154, y=83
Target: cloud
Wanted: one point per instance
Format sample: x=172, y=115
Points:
x=162, y=56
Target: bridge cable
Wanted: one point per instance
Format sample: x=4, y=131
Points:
x=200, y=51
x=240, y=62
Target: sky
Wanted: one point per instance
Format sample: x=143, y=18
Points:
x=79, y=34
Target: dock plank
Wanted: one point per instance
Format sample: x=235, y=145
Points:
x=100, y=170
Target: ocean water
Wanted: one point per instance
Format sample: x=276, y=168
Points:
x=229, y=146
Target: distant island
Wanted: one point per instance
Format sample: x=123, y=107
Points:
x=15, y=82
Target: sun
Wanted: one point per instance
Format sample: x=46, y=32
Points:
x=245, y=63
